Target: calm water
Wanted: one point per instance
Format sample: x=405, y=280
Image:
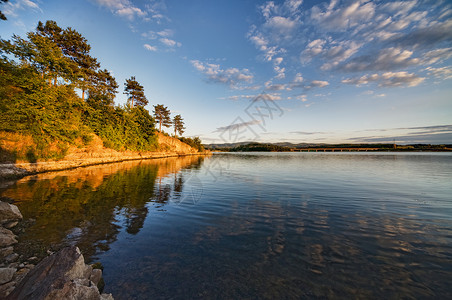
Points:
x=275, y=226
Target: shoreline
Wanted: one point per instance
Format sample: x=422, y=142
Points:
x=12, y=171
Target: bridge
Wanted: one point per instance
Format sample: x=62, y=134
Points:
x=332, y=149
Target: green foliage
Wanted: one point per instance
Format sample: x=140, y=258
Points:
x=135, y=92
x=259, y=147
x=178, y=125
x=162, y=115
x=193, y=142
x=52, y=112
x=2, y=16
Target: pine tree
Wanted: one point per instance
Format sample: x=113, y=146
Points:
x=162, y=114
x=104, y=88
x=178, y=124
x=2, y=16
x=135, y=92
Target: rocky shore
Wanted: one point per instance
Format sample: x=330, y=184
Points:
x=61, y=275
x=93, y=154
x=18, y=170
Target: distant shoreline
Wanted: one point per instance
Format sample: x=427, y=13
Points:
x=288, y=147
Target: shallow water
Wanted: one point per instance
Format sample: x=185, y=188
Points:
x=255, y=225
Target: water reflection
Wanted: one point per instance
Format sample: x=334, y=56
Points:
x=89, y=206
x=269, y=226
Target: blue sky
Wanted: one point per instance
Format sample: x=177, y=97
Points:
x=274, y=71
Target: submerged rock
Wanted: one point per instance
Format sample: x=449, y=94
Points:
x=63, y=275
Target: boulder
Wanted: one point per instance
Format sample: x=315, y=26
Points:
x=7, y=238
x=62, y=275
x=9, y=213
x=4, y=252
x=6, y=274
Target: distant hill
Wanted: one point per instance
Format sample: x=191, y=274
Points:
x=286, y=146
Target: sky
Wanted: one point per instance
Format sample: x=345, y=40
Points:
x=273, y=71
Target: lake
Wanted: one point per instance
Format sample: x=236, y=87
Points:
x=253, y=225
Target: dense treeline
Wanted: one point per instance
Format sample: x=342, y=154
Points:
x=256, y=147
x=193, y=142
x=53, y=89
x=259, y=147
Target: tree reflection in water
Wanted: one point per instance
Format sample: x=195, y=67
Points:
x=89, y=206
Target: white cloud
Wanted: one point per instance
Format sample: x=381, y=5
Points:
x=319, y=83
x=386, y=59
x=437, y=55
x=388, y=79
x=341, y=18
x=149, y=47
x=389, y=43
x=275, y=87
x=442, y=73
x=152, y=35
x=237, y=126
x=170, y=43
x=231, y=76
x=302, y=98
x=399, y=7
x=123, y=8
x=166, y=33
x=297, y=82
x=280, y=27
x=10, y=8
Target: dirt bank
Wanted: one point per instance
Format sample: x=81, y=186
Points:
x=93, y=154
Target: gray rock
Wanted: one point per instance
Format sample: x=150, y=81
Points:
x=96, y=276
x=6, y=288
x=9, y=213
x=62, y=275
x=10, y=224
x=74, y=290
x=7, y=238
x=4, y=252
x=6, y=274
x=106, y=297
x=12, y=257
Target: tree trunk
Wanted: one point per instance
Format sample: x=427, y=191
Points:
x=83, y=94
x=160, y=130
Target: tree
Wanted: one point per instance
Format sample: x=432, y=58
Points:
x=104, y=88
x=178, y=124
x=76, y=48
x=135, y=92
x=162, y=114
x=2, y=16
x=42, y=53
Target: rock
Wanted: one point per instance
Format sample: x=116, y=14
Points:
x=96, y=276
x=9, y=213
x=6, y=274
x=10, y=224
x=6, y=288
x=74, y=290
x=7, y=238
x=4, y=252
x=13, y=265
x=12, y=257
x=106, y=297
x=62, y=275
x=34, y=258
